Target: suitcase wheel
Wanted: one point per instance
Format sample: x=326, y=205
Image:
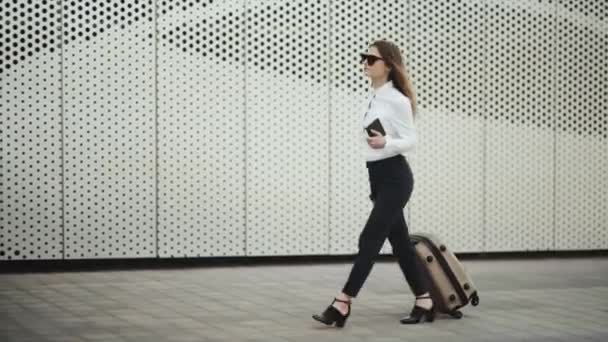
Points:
x=475, y=299
x=456, y=314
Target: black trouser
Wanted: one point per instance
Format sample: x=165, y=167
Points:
x=391, y=184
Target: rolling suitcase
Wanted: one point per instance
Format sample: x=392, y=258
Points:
x=451, y=288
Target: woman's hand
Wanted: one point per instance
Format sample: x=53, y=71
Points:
x=376, y=141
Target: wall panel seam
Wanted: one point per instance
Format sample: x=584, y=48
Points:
x=62, y=111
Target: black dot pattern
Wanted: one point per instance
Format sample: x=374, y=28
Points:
x=29, y=27
x=33, y=26
x=280, y=49
x=582, y=68
x=588, y=10
x=517, y=42
x=281, y=41
x=166, y=7
x=448, y=59
x=86, y=19
x=203, y=36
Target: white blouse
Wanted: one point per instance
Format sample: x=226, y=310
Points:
x=394, y=111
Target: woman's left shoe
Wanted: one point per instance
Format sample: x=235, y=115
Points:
x=420, y=314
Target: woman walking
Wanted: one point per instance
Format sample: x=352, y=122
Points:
x=391, y=181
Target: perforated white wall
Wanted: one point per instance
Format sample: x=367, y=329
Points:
x=448, y=72
x=520, y=112
x=287, y=94
x=201, y=128
x=109, y=129
x=31, y=129
x=224, y=128
x=581, y=201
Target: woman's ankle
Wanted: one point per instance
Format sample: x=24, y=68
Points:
x=424, y=301
x=342, y=307
x=343, y=303
x=344, y=297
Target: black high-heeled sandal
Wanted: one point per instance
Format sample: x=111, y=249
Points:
x=420, y=314
x=332, y=315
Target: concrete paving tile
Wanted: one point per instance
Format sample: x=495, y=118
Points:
x=521, y=300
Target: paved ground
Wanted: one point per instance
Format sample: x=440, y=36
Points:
x=521, y=300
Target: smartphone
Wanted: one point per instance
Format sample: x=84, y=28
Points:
x=376, y=126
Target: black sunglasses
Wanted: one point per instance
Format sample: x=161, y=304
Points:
x=370, y=59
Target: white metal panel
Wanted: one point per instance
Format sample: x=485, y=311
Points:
x=109, y=130
x=520, y=109
x=448, y=186
x=201, y=125
x=287, y=127
x=30, y=126
x=447, y=53
x=582, y=126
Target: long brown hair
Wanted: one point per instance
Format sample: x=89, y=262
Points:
x=392, y=58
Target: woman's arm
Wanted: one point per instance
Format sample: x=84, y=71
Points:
x=402, y=120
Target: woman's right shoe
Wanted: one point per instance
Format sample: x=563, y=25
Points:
x=332, y=315
x=420, y=314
